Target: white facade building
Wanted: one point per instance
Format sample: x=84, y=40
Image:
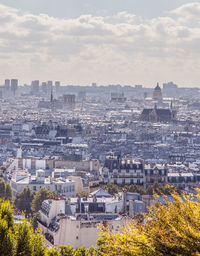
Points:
x=23, y=179
x=61, y=224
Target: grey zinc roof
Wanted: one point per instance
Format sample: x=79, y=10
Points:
x=101, y=193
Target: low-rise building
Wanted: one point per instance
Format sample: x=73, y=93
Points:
x=76, y=221
x=23, y=179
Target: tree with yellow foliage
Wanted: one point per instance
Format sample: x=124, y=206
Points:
x=172, y=229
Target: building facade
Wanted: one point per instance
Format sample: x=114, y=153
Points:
x=125, y=171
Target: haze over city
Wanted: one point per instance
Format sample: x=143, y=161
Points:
x=99, y=127
x=108, y=42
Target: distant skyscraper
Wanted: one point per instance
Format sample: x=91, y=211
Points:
x=7, y=84
x=57, y=85
x=44, y=87
x=49, y=85
x=35, y=86
x=14, y=85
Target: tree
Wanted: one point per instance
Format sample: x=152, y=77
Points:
x=34, y=220
x=6, y=213
x=24, y=245
x=28, y=241
x=40, y=196
x=170, y=229
x=2, y=188
x=67, y=250
x=8, y=193
x=7, y=239
x=112, y=188
x=23, y=201
x=18, y=240
x=53, y=252
x=159, y=189
x=135, y=189
x=39, y=248
x=82, y=251
x=5, y=190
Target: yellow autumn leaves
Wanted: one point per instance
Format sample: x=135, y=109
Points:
x=172, y=228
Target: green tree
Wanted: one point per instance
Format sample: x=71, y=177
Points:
x=18, y=240
x=34, y=220
x=24, y=246
x=23, y=201
x=7, y=242
x=8, y=192
x=2, y=188
x=135, y=189
x=6, y=213
x=39, y=248
x=28, y=241
x=112, y=188
x=159, y=189
x=5, y=190
x=7, y=237
x=67, y=250
x=40, y=196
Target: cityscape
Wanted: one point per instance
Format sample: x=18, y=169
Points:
x=99, y=128
x=75, y=140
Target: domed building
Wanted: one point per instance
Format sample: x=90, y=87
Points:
x=157, y=93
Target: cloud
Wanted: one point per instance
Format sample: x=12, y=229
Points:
x=126, y=17
x=118, y=49
x=190, y=10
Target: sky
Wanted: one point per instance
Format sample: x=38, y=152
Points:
x=124, y=42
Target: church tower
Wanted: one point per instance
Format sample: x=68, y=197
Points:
x=157, y=93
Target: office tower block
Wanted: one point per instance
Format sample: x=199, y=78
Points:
x=7, y=84
x=14, y=85
x=57, y=85
x=49, y=85
x=35, y=86
x=44, y=87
